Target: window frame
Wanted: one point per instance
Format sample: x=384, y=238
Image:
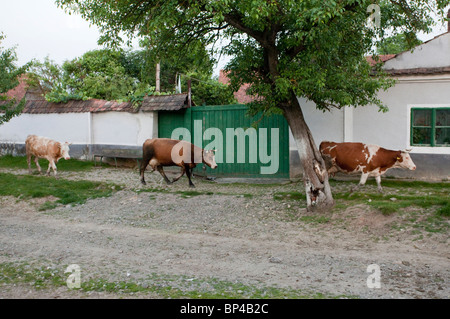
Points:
x=433, y=126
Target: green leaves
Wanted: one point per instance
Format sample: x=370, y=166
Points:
x=315, y=49
x=9, y=79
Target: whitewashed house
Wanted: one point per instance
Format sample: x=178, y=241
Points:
x=418, y=116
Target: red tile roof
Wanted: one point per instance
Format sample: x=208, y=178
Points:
x=241, y=95
x=380, y=59
x=19, y=91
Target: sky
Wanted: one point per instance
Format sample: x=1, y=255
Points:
x=38, y=28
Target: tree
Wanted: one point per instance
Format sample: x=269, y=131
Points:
x=211, y=92
x=124, y=75
x=398, y=43
x=98, y=74
x=46, y=76
x=142, y=64
x=9, y=79
x=285, y=48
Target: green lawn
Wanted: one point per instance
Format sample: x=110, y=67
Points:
x=67, y=192
x=20, y=162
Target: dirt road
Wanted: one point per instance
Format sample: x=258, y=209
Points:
x=231, y=232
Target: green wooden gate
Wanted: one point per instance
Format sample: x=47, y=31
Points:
x=241, y=150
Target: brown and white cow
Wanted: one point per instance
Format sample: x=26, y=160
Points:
x=159, y=152
x=368, y=159
x=42, y=147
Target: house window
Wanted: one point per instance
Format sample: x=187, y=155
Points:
x=430, y=127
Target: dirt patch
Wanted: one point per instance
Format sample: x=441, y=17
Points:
x=363, y=218
x=231, y=232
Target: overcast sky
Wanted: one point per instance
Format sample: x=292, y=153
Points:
x=38, y=28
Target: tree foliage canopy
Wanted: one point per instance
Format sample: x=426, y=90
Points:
x=9, y=79
x=125, y=75
x=308, y=48
x=398, y=43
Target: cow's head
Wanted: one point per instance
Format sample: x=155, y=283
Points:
x=209, y=158
x=404, y=160
x=65, y=150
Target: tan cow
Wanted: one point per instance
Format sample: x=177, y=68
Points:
x=42, y=147
x=368, y=159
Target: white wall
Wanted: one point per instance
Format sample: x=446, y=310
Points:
x=391, y=129
x=115, y=128
x=366, y=124
x=324, y=126
x=431, y=54
x=70, y=127
x=121, y=128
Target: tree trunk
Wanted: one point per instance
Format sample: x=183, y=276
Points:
x=315, y=176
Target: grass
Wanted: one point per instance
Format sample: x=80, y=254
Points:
x=289, y=195
x=156, y=285
x=20, y=162
x=67, y=192
x=388, y=204
x=422, y=205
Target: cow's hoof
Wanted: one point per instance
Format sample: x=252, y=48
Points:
x=143, y=182
x=192, y=186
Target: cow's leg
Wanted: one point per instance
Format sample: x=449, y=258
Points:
x=161, y=171
x=362, y=181
x=378, y=179
x=36, y=160
x=144, y=164
x=29, y=163
x=52, y=165
x=183, y=170
x=188, y=173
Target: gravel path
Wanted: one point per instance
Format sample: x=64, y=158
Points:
x=232, y=232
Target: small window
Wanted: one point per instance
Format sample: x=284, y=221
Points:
x=430, y=127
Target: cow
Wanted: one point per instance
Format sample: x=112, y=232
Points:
x=160, y=152
x=368, y=159
x=42, y=147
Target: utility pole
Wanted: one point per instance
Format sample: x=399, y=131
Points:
x=158, y=71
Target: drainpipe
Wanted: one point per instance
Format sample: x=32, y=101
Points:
x=348, y=124
x=448, y=23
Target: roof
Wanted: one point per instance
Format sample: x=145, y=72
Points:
x=173, y=102
x=419, y=71
x=240, y=95
x=19, y=91
x=428, y=58
x=152, y=103
x=36, y=104
x=380, y=58
x=75, y=106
